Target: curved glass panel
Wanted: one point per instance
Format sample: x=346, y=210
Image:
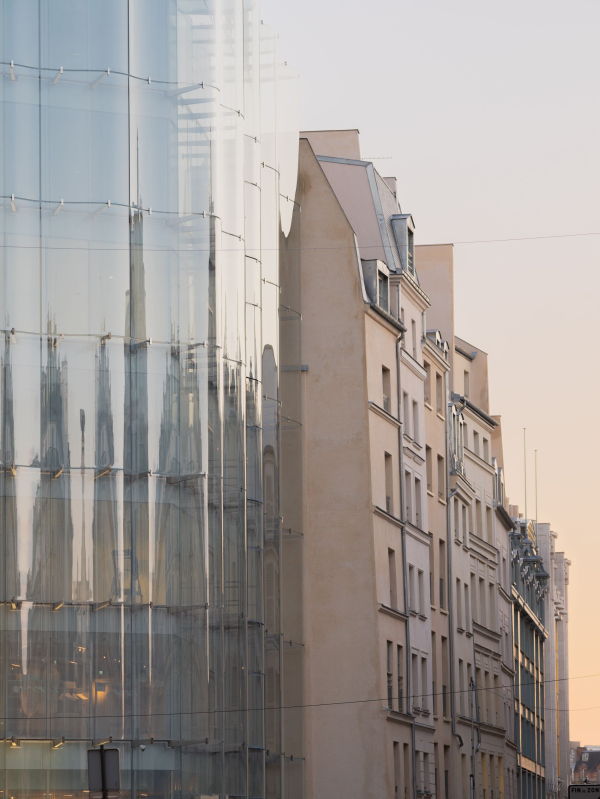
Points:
x=139, y=396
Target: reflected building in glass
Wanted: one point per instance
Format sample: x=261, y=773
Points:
x=149, y=154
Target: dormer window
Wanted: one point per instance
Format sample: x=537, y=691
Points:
x=383, y=297
x=404, y=233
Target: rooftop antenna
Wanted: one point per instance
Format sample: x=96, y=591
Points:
x=525, y=465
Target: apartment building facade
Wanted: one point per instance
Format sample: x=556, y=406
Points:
x=400, y=594
x=556, y=662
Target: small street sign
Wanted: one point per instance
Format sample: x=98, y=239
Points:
x=103, y=773
x=587, y=791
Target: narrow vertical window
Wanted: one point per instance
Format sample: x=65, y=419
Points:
x=421, y=581
x=392, y=576
x=439, y=394
x=415, y=422
x=413, y=330
x=476, y=442
x=390, y=675
x=442, y=567
x=400, y=677
x=441, y=476
x=389, y=484
x=406, y=413
x=386, y=387
x=424, y=683
x=411, y=588
x=429, y=467
x=466, y=391
x=397, y=774
x=459, y=615
x=418, y=507
x=427, y=384
x=489, y=523
x=408, y=496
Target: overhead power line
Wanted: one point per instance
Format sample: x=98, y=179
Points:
x=303, y=706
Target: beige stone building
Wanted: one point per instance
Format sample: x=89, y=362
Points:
x=397, y=602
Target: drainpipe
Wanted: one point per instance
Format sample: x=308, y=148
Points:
x=449, y=544
x=404, y=563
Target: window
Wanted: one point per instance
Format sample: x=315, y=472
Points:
x=397, y=775
x=476, y=442
x=389, y=485
x=408, y=496
x=428, y=459
x=424, y=684
x=486, y=450
x=392, y=575
x=385, y=380
x=478, y=519
x=456, y=505
x=415, y=421
x=390, y=676
x=412, y=599
x=427, y=384
x=382, y=291
x=413, y=330
x=442, y=561
x=492, y=606
x=406, y=412
x=445, y=676
x=415, y=681
x=464, y=524
x=400, y=673
x=468, y=625
x=461, y=686
x=441, y=476
x=482, y=616
x=431, y=568
x=411, y=251
x=433, y=675
x=439, y=394
x=421, y=579
x=466, y=384
x=418, y=501
x=489, y=523
x=459, y=615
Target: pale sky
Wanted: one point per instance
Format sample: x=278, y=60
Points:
x=489, y=116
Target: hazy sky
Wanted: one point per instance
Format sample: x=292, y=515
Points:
x=489, y=116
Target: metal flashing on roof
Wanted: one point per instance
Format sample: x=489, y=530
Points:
x=470, y=356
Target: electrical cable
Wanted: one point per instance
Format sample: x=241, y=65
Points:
x=304, y=706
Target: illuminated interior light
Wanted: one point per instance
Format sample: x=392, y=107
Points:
x=58, y=74
x=100, y=79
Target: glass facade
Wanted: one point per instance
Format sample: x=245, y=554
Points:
x=149, y=154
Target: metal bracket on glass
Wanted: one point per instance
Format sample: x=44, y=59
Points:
x=183, y=478
x=13, y=207
x=140, y=345
x=101, y=741
x=58, y=208
x=57, y=341
x=58, y=743
x=15, y=604
x=100, y=79
x=12, y=71
x=12, y=469
x=57, y=78
x=102, y=472
x=58, y=605
x=102, y=208
x=106, y=337
x=15, y=743
x=100, y=606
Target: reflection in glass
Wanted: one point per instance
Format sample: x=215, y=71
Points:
x=139, y=397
